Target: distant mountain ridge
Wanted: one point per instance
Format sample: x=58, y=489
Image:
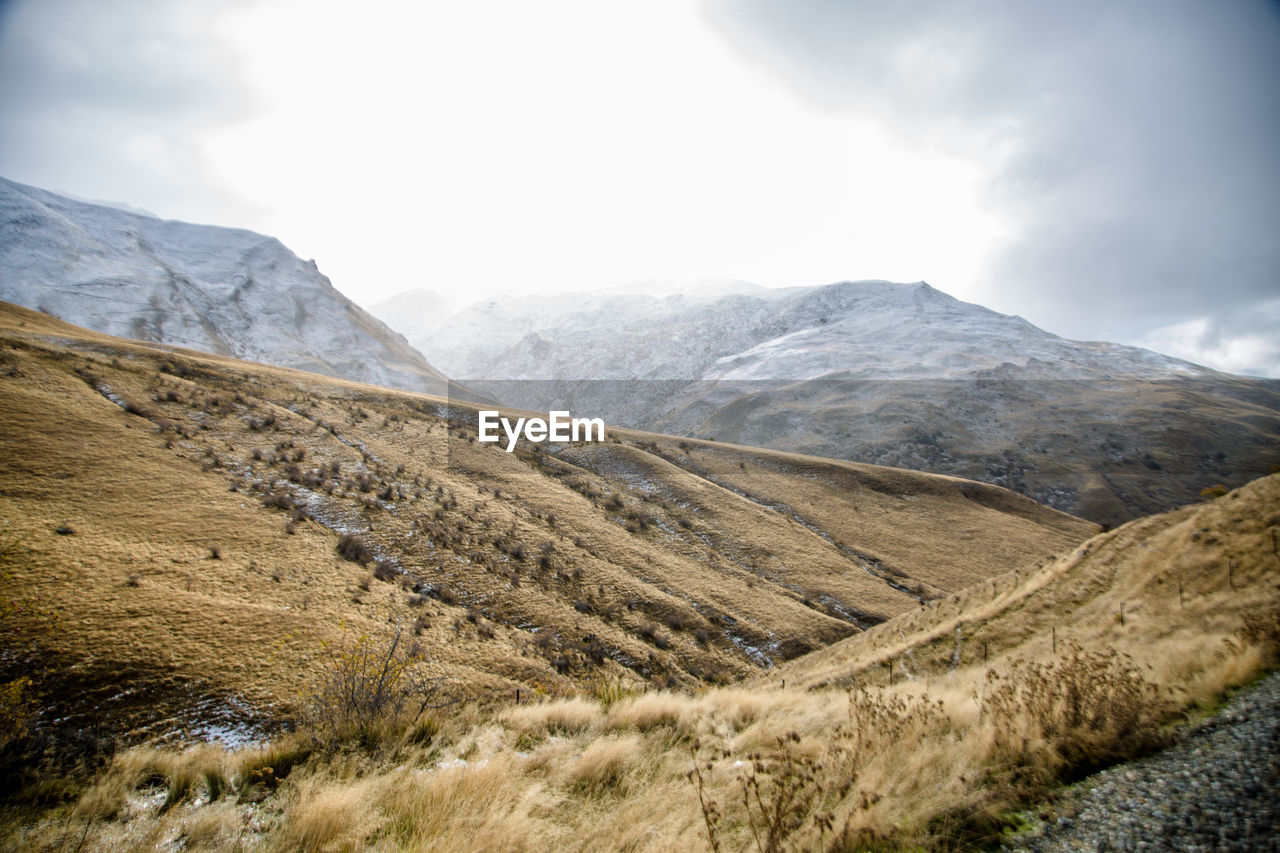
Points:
x=851, y=330
x=221, y=290
x=870, y=371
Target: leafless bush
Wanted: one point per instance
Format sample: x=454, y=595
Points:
x=369, y=684
x=781, y=792
x=279, y=500
x=1087, y=708
x=353, y=548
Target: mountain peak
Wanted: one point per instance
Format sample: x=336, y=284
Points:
x=223, y=290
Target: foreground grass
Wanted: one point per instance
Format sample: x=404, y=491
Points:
x=933, y=766
x=1083, y=662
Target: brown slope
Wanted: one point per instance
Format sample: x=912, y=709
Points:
x=1167, y=589
x=1109, y=450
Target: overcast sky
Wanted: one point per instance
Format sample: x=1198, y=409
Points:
x=1106, y=169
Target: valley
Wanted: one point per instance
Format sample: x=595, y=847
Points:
x=271, y=606
x=646, y=643
x=219, y=509
x=901, y=375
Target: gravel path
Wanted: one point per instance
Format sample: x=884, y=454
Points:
x=1216, y=789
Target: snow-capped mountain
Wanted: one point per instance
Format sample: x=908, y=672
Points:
x=220, y=290
x=895, y=374
x=851, y=330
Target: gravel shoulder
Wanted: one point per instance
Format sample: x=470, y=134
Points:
x=1217, y=788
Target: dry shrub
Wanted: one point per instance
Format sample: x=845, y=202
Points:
x=354, y=548
x=604, y=764
x=794, y=794
x=16, y=710
x=780, y=796
x=372, y=689
x=1076, y=713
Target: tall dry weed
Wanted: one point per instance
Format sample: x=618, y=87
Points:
x=1081, y=711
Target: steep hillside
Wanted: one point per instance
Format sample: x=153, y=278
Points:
x=899, y=375
x=1154, y=589
x=219, y=290
x=186, y=524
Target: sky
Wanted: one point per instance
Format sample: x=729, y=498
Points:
x=1107, y=169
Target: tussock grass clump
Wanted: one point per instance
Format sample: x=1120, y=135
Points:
x=604, y=764
x=651, y=710
x=213, y=827
x=457, y=807
x=330, y=816
x=609, y=691
x=563, y=716
x=202, y=771
x=266, y=766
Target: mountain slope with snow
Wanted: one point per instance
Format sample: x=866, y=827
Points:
x=872, y=371
x=221, y=290
x=851, y=330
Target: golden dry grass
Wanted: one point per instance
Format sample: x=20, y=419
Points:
x=938, y=759
x=563, y=715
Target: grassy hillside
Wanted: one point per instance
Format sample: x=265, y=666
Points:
x=997, y=693
x=1109, y=450
x=188, y=539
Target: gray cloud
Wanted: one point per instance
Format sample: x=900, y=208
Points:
x=1131, y=146
x=132, y=84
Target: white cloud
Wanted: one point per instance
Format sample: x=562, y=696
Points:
x=496, y=146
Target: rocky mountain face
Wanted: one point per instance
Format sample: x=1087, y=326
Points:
x=872, y=371
x=220, y=290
